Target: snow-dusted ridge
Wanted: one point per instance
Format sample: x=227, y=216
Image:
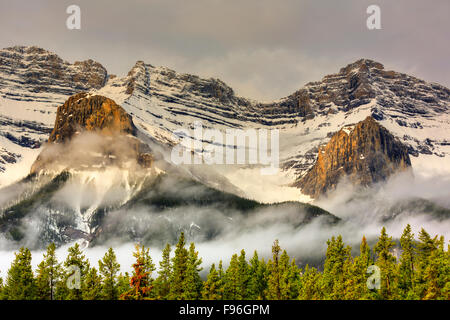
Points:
x=161, y=101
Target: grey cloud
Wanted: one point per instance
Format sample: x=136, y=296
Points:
x=264, y=49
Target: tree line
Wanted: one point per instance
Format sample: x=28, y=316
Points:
x=422, y=271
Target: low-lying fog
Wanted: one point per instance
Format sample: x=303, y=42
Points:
x=363, y=213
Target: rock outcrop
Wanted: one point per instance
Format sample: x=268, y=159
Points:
x=34, y=73
x=91, y=113
x=92, y=132
x=365, y=153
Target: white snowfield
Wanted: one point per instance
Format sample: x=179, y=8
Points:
x=162, y=101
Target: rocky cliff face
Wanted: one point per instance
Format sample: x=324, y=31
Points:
x=91, y=132
x=33, y=82
x=90, y=113
x=33, y=73
x=365, y=153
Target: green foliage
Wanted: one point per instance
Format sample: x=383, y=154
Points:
x=310, y=284
x=123, y=283
x=422, y=272
x=75, y=259
x=213, y=285
x=162, y=282
x=192, y=283
x=48, y=275
x=257, y=281
x=109, y=268
x=92, y=286
x=386, y=262
x=1, y=289
x=407, y=263
x=336, y=269
x=20, y=283
x=355, y=287
x=180, y=265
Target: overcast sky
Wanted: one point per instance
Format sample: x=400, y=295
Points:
x=263, y=49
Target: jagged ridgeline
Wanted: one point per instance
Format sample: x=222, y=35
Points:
x=95, y=180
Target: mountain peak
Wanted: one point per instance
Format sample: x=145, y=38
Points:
x=92, y=131
x=366, y=153
x=361, y=65
x=91, y=113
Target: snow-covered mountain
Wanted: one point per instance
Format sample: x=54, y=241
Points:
x=161, y=101
x=401, y=117
x=33, y=82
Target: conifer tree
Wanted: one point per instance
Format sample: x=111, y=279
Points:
x=243, y=276
x=335, y=272
x=437, y=274
x=310, y=284
x=221, y=274
x=109, y=268
x=424, y=249
x=293, y=281
x=140, y=282
x=387, y=264
x=273, y=291
x=92, y=286
x=231, y=280
x=407, y=262
x=20, y=283
x=1, y=289
x=192, y=282
x=179, y=267
x=356, y=282
x=212, y=287
x=162, y=282
x=257, y=281
x=48, y=275
x=123, y=283
x=75, y=259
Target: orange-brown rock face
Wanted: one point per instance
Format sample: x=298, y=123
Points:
x=92, y=132
x=91, y=113
x=365, y=153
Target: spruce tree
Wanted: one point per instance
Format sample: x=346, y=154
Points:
x=75, y=260
x=231, y=280
x=406, y=266
x=387, y=264
x=221, y=274
x=310, y=284
x=162, y=282
x=109, y=268
x=179, y=267
x=92, y=286
x=212, y=287
x=335, y=273
x=437, y=274
x=257, y=283
x=273, y=291
x=243, y=276
x=192, y=282
x=356, y=282
x=123, y=283
x=424, y=249
x=48, y=275
x=140, y=282
x=20, y=283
